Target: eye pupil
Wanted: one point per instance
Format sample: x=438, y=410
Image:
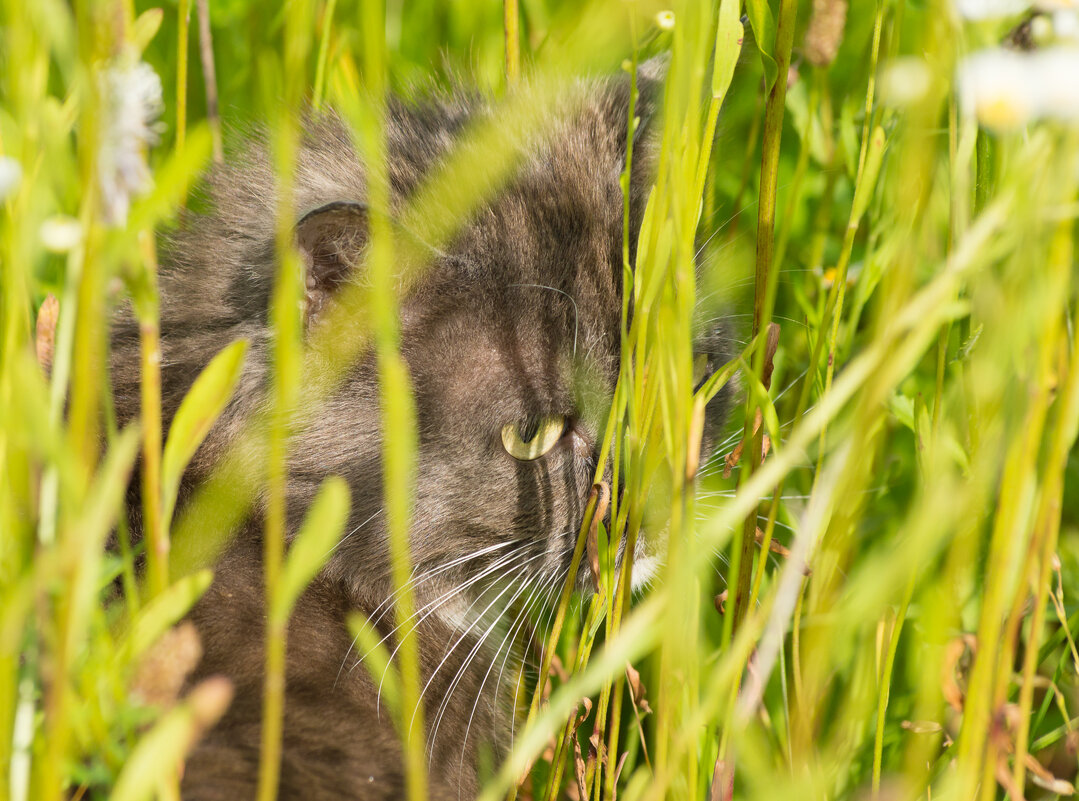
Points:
x=528, y=429
x=530, y=439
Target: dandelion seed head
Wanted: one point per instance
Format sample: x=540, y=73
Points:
x=10, y=175
x=132, y=103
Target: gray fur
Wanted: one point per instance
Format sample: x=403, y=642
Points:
x=529, y=288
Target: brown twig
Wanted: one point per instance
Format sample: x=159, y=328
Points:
x=209, y=77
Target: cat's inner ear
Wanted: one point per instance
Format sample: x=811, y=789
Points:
x=331, y=239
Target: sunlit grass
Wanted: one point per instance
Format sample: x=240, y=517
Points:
x=877, y=601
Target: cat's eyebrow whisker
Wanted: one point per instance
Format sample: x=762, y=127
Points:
x=576, y=315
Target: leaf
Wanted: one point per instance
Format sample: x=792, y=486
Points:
x=84, y=538
x=197, y=414
x=764, y=32
x=868, y=180
x=729, y=35
x=376, y=659
x=172, y=181
x=146, y=27
x=314, y=543
x=167, y=743
x=158, y=616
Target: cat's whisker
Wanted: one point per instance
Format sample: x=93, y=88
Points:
x=471, y=655
x=507, y=643
x=516, y=570
x=337, y=544
x=431, y=607
x=576, y=315
x=419, y=576
x=428, y=609
x=563, y=576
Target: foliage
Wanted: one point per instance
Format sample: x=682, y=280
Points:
x=869, y=590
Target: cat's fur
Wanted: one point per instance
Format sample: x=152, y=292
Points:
x=529, y=285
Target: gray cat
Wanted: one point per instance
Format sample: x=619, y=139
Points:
x=529, y=286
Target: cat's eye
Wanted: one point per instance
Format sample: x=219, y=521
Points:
x=532, y=438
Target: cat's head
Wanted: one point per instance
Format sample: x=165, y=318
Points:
x=511, y=336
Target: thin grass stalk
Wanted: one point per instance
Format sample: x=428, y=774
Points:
x=512, y=38
x=287, y=352
x=619, y=597
x=1048, y=526
x=84, y=417
x=885, y=681
x=323, y=54
x=183, y=24
x=1007, y=643
x=858, y=207
x=976, y=751
x=209, y=77
x=157, y=542
x=562, y=751
x=560, y=615
x=398, y=407
x=741, y=568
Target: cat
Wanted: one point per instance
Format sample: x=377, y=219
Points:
x=529, y=285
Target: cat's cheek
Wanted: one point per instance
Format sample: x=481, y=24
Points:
x=581, y=444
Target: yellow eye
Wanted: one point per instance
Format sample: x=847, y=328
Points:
x=534, y=437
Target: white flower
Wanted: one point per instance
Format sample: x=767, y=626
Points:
x=131, y=95
x=10, y=175
x=60, y=234
x=990, y=9
x=1066, y=25
x=904, y=81
x=665, y=20
x=994, y=86
x=1006, y=90
x=1057, y=72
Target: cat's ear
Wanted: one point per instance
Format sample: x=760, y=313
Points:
x=332, y=240
x=651, y=80
x=653, y=72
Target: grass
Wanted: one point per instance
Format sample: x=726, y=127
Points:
x=876, y=601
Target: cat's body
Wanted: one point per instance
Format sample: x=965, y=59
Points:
x=494, y=333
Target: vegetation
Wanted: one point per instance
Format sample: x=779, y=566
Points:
x=870, y=589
